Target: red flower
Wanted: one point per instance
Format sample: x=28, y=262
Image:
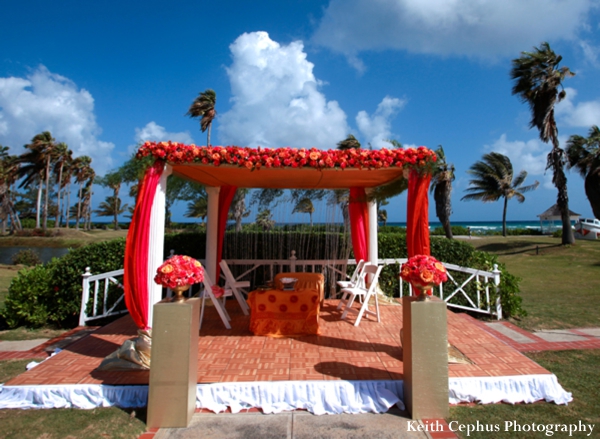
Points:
x=178, y=271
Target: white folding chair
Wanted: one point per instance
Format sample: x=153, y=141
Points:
x=356, y=277
x=362, y=291
x=220, y=307
x=236, y=286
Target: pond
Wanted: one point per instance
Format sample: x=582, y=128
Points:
x=45, y=253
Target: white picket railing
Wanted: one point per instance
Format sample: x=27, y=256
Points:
x=99, y=284
x=485, y=283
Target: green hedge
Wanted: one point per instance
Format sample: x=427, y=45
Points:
x=51, y=293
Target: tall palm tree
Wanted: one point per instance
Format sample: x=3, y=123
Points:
x=583, y=154
x=82, y=171
x=9, y=167
x=493, y=179
x=538, y=82
x=305, y=205
x=348, y=142
x=198, y=208
x=44, y=144
x=441, y=186
x=111, y=206
x=62, y=154
x=204, y=108
x=113, y=180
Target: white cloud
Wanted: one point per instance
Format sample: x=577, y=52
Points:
x=479, y=28
x=154, y=132
x=376, y=129
x=45, y=101
x=276, y=99
x=530, y=156
x=583, y=114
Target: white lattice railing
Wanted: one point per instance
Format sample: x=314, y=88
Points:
x=98, y=285
x=475, y=290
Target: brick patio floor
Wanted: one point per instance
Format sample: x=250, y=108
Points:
x=371, y=351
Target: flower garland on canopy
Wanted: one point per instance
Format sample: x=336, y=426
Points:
x=421, y=158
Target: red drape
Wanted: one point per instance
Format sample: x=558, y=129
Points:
x=359, y=223
x=417, y=216
x=135, y=277
x=226, y=195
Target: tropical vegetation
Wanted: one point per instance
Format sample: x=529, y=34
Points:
x=538, y=82
x=441, y=187
x=493, y=178
x=583, y=154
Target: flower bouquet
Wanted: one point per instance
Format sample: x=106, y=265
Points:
x=423, y=273
x=178, y=273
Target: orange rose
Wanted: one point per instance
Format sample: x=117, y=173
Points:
x=167, y=269
x=426, y=276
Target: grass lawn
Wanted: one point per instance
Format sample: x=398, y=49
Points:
x=66, y=238
x=100, y=423
x=577, y=372
x=560, y=285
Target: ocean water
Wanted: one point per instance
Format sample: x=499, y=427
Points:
x=488, y=226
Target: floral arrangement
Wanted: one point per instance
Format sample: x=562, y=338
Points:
x=178, y=271
x=423, y=272
x=255, y=158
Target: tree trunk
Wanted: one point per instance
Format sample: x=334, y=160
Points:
x=79, y=202
x=592, y=190
x=504, y=216
x=39, y=204
x=555, y=160
x=443, y=207
x=45, y=218
x=117, y=207
x=68, y=207
x=58, y=212
x=208, y=134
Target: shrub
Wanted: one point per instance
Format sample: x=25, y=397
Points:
x=51, y=293
x=27, y=257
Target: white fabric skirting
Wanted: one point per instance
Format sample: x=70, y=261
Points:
x=318, y=397
x=510, y=389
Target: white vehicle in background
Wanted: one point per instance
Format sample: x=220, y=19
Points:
x=587, y=228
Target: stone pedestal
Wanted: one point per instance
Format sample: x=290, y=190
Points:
x=425, y=357
x=174, y=366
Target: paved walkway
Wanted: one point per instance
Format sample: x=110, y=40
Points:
x=394, y=424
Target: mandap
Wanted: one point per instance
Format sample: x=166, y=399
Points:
x=224, y=169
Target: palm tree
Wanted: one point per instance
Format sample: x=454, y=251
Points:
x=264, y=219
x=62, y=155
x=348, y=143
x=583, y=154
x=493, y=179
x=82, y=171
x=44, y=144
x=441, y=186
x=537, y=82
x=111, y=206
x=204, y=108
x=305, y=205
x=9, y=167
x=113, y=180
x=238, y=210
x=198, y=208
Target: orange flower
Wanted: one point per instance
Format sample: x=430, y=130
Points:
x=167, y=269
x=426, y=276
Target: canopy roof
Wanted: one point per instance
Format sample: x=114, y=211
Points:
x=553, y=214
x=289, y=167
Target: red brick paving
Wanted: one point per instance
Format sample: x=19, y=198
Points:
x=371, y=351
x=539, y=344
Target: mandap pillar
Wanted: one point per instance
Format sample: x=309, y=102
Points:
x=212, y=232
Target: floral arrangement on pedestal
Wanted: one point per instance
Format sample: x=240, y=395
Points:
x=423, y=273
x=178, y=273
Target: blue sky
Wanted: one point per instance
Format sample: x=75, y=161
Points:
x=103, y=76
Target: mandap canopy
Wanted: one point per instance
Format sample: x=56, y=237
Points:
x=224, y=169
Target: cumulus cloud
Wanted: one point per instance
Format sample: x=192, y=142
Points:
x=154, y=132
x=376, y=129
x=582, y=114
x=45, y=101
x=277, y=99
x=530, y=156
x=483, y=29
